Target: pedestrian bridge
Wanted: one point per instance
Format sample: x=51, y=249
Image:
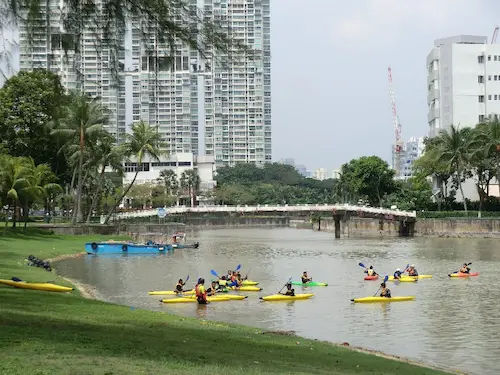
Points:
x=336, y=210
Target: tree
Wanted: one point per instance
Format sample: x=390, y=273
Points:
x=84, y=118
x=144, y=142
x=487, y=138
x=169, y=179
x=452, y=148
x=190, y=181
x=368, y=176
x=13, y=182
x=29, y=102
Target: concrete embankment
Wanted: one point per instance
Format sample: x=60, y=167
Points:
x=354, y=227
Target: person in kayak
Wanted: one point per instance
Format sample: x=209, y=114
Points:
x=214, y=288
x=305, y=278
x=397, y=274
x=465, y=268
x=412, y=271
x=201, y=293
x=289, y=290
x=234, y=280
x=370, y=271
x=180, y=285
x=385, y=292
x=223, y=281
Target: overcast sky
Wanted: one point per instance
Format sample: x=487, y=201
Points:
x=329, y=69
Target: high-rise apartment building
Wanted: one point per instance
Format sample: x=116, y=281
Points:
x=463, y=82
x=219, y=106
x=411, y=151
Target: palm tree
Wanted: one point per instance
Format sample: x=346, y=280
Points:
x=169, y=179
x=487, y=138
x=191, y=182
x=144, y=142
x=453, y=149
x=84, y=118
x=106, y=154
x=13, y=183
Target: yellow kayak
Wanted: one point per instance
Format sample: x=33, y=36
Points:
x=192, y=299
x=36, y=286
x=249, y=282
x=420, y=277
x=234, y=297
x=244, y=288
x=403, y=279
x=382, y=299
x=169, y=292
x=282, y=297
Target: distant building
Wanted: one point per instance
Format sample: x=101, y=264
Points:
x=411, y=151
x=320, y=174
x=335, y=174
x=9, y=50
x=179, y=162
x=303, y=170
x=287, y=161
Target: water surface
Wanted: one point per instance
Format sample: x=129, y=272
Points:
x=453, y=323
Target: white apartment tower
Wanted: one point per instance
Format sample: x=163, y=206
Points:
x=463, y=82
x=219, y=106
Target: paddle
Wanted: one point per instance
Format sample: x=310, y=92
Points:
x=214, y=273
x=362, y=265
x=385, y=280
x=238, y=267
x=290, y=279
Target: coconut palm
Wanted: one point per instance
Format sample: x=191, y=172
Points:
x=191, y=182
x=13, y=182
x=83, y=119
x=105, y=154
x=453, y=149
x=144, y=142
x=487, y=140
x=169, y=179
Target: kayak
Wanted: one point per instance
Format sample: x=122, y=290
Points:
x=248, y=288
x=234, y=297
x=420, y=276
x=403, y=279
x=382, y=299
x=48, y=287
x=460, y=274
x=310, y=283
x=371, y=277
x=249, y=282
x=192, y=299
x=169, y=292
x=281, y=297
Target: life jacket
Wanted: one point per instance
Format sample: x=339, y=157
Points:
x=412, y=272
x=397, y=274
x=370, y=272
x=200, y=291
x=223, y=282
x=178, y=287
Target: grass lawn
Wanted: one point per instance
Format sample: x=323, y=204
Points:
x=52, y=333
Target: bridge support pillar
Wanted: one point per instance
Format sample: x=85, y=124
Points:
x=337, y=226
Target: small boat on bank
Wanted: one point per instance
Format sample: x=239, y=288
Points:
x=125, y=248
x=179, y=241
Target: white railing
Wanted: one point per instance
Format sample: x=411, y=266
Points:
x=270, y=208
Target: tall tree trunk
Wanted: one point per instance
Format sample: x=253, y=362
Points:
x=14, y=215
x=26, y=215
x=7, y=216
x=463, y=197
x=113, y=208
x=97, y=193
x=80, y=182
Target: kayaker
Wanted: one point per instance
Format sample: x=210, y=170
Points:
x=412, y=271
x=385, y=292
x=223, y=281
x=289, y=291
x=180, y=285
x=370, y=271
x=201, y=293
x=214, y=287
x=465, y=268
x=397, y=274
x=305, y=278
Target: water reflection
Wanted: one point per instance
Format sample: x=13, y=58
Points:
x=453, y=322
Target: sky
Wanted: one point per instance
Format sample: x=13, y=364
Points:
x=330, y=92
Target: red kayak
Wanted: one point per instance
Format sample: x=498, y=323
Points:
x=460, y=274
x=371, y=277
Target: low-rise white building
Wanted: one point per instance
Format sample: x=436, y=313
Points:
x=320, y=174
x=179, y=163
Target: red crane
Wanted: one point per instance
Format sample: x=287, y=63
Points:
x=494, y=36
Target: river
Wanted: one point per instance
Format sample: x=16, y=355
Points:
x=453, y=323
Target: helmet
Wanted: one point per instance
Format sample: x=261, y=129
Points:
x=371, y=267
x=398, y=270
x=412, y=266
x=382, y=285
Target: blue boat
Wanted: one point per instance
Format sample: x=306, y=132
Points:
x=125, y=248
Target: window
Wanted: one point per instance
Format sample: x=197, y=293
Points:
x=489, y=57
x=496, y=78
x=496, y=97
x=480, y=59
x=480, y=79
x=184, y=164
x=496, y=58
x=489, y=97
x=481, y=98
x=481, y=118
x=489, y=78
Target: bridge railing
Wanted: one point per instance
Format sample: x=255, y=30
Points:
x=271, y=208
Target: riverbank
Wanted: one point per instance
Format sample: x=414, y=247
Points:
x=49, y=333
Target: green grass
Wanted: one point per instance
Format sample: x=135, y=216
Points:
x=457, y=214
x=52, y=333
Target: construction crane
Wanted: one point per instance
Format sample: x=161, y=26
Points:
x=495, y=34
x=398, y=143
